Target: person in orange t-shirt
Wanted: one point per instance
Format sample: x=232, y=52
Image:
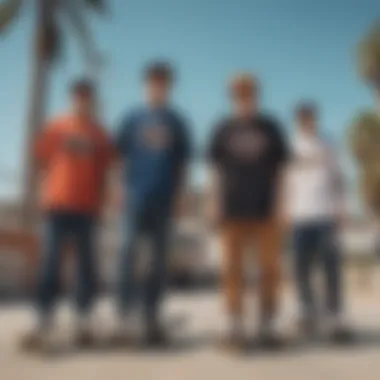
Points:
x=74, y=153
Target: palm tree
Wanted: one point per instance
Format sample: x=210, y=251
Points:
x=364, y=134
x=49, y=28
x=369, y=59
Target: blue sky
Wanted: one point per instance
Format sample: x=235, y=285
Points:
x=298, y=48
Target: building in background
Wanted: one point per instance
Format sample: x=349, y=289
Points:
x=195, y=256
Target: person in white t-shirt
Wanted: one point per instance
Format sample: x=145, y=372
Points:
x=314, y=209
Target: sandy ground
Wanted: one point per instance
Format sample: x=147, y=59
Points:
x=196, y=320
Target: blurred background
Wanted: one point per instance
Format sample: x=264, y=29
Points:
x=298, y=50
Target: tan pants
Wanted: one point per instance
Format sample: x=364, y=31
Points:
x=266, y=238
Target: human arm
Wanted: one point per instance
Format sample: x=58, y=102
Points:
x=183, y=153
x=122, y=143
x=281, y=156
x=47, y=144
x=338, y=185
x=215, y=155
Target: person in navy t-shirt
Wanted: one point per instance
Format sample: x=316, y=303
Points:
x=154, y=145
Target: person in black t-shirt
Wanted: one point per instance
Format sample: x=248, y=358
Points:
x=247, y=153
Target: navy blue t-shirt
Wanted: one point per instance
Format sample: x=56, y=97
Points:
x=155, y=146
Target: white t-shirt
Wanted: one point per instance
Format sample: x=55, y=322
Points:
x=313, y=181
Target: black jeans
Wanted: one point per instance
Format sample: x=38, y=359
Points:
x=315, y=243
x=61, y=226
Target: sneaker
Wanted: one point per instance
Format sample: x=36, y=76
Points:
x=270, y=341
x=156, y=336
x=35, y=341
x=341, y=335
x=124, y=332
x=84, y=338
x=233, y=343
x=121, y=339
x=269, y=337
x=338, y=331
x=308, y=326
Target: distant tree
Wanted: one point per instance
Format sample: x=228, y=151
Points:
x=52, y=20
x=364, y=133
x=369, y=59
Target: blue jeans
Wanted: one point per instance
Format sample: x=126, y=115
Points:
x=59, y=228
x=315, y=243
x=150, y=219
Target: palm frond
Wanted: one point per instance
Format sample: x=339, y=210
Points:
x=364, y=141
x=369, y=55
x=75, y=13
x=9, y=10
x=369, y=186
x=98, y=5
x=364, y=138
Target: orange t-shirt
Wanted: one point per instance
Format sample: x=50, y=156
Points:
x=74, y=154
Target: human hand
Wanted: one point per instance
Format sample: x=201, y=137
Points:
x=214, y=214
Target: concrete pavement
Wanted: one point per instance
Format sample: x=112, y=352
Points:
x=196, y=320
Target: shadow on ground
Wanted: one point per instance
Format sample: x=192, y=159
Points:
x=182, y=342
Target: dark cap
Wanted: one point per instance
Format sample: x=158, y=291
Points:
x=308, y=108
x=160, y=70
x=83, y=86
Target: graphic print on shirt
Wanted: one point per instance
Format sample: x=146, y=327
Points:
x=79, y=145
x=156, y=137
x=247, y=144
x=310, y=181
x=308, y=156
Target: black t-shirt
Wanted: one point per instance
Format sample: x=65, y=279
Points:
x=249, y=155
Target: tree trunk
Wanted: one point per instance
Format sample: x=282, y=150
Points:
x=377, y=98
x=35, y=120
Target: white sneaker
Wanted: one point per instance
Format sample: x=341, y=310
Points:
x=270, y=336
x=125, y=329
x=39, y=339
x=338, y=330
x=84, y=336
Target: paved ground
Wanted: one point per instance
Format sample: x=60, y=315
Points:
x=196, y=320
